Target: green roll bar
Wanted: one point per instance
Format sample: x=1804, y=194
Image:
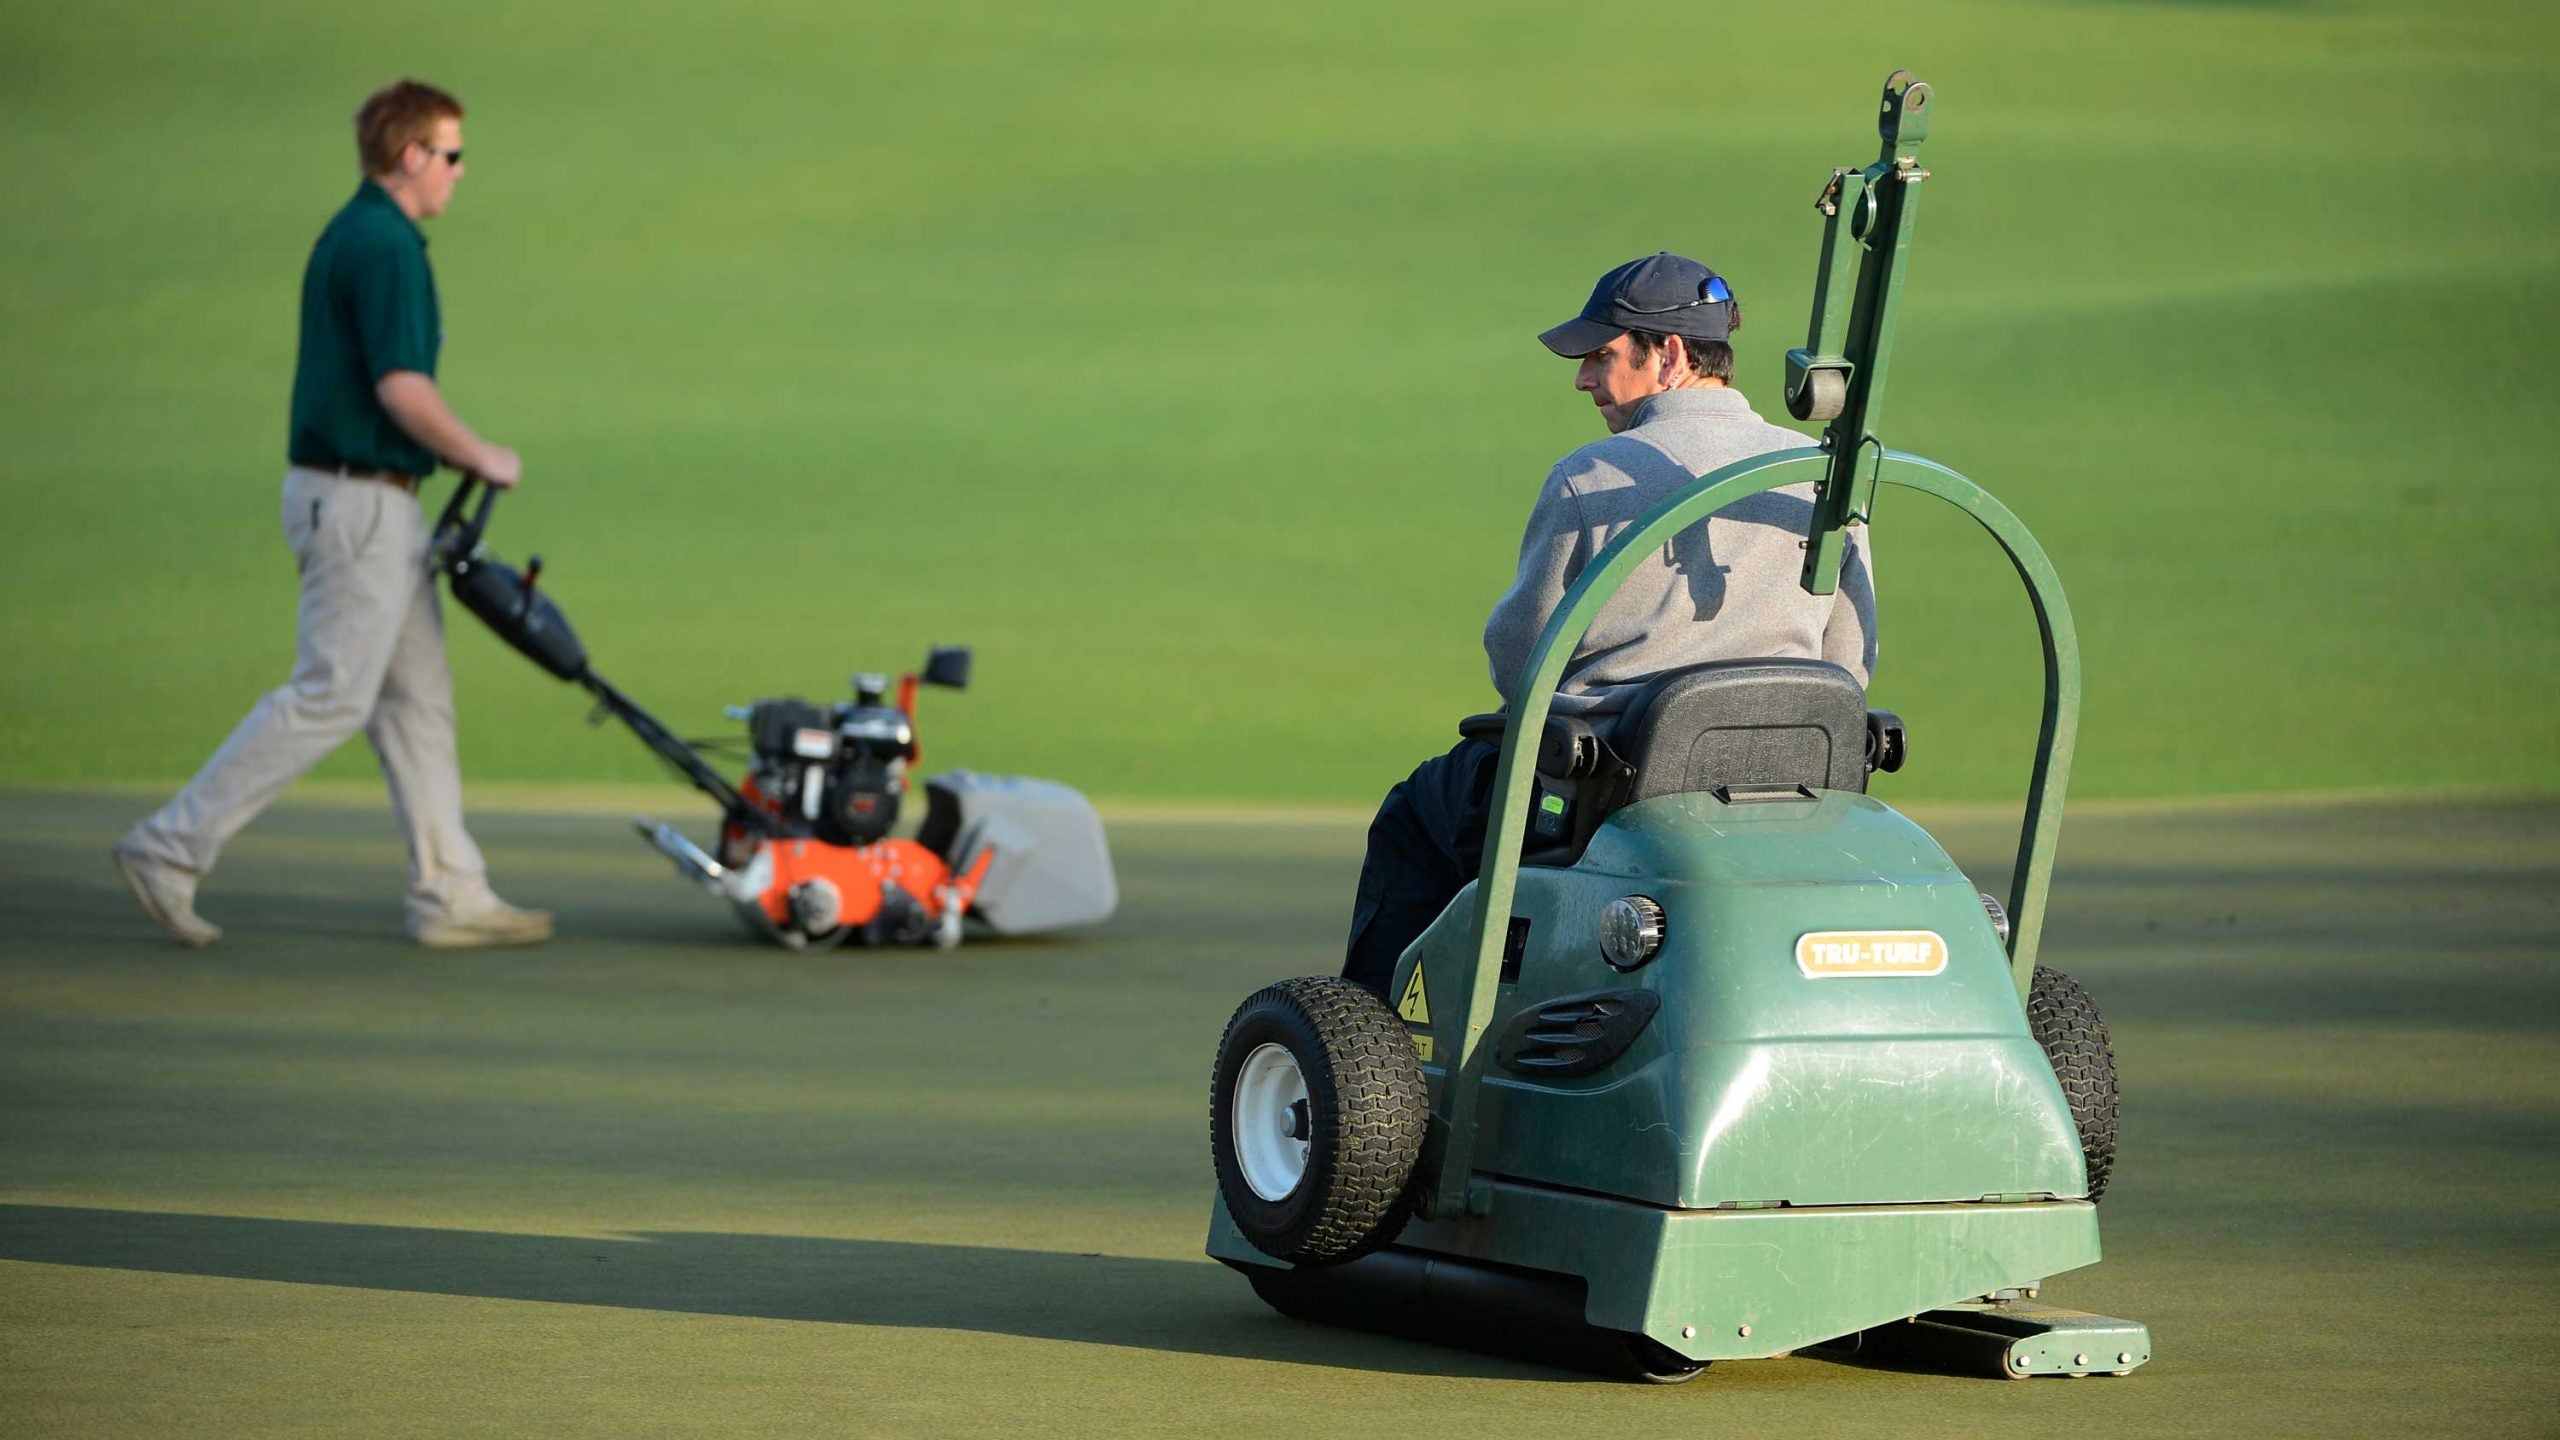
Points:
x=1846, y=467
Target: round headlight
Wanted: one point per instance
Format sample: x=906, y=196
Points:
x=1630, y=931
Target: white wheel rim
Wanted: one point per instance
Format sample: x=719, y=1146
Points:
x=1266, y=1120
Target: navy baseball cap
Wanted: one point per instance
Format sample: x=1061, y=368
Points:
x=1665, y=294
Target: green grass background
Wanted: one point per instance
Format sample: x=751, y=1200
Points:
x=1180, y=359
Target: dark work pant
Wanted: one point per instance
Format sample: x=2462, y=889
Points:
x=1424, y=847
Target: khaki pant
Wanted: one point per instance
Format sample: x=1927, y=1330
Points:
x=369, y=655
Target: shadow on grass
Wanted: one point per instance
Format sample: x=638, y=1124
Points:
x=1194, y=1308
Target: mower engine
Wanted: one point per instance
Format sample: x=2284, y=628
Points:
x=806, y=857
x=837, y=771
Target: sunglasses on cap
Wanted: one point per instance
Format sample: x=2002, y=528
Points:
x=1718, y=293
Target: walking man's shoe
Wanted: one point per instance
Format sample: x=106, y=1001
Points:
x=168, y=895
x=492, y=922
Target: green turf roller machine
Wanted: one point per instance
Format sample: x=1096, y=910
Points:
x=1732, y=1061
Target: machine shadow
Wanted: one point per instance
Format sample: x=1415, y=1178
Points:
x=708, y=927
x=1183, y=1307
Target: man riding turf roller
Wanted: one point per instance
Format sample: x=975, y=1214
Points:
x=1653, y=342
x=368, y=424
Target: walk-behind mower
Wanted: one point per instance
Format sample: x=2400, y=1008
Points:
x=1732, y=1062
x=805, y=854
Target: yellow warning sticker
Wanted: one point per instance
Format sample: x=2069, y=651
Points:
x=1416, y=1004
x=1866, y=954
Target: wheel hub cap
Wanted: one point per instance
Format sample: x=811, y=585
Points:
x=1272, y=1122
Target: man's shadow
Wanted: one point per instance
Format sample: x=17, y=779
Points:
x=1194, y=1307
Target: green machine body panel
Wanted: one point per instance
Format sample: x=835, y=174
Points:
x=1754, y=1083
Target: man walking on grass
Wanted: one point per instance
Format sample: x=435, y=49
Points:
x=368, y=425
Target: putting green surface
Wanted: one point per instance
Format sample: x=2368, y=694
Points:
x=1180, y=358
x=654, y=1179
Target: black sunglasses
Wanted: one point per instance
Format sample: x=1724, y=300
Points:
x=1716, y=293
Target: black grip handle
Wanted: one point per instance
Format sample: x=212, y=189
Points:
x=454, y=537
x=452, y=516
x=488, y=502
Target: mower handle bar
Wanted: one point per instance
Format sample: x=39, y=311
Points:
x=457, y=537
x=465, y=536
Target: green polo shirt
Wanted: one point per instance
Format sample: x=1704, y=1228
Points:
x=368, y=308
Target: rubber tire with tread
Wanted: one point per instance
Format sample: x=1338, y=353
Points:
x=1368, y=1112
x=2067, y=1024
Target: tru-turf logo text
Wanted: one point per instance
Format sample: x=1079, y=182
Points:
x=1869, y=954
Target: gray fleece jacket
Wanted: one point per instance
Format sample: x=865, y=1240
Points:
x=1727, y=589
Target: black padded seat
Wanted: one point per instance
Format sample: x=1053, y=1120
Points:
x=1741, y=723
x=1743, y=729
